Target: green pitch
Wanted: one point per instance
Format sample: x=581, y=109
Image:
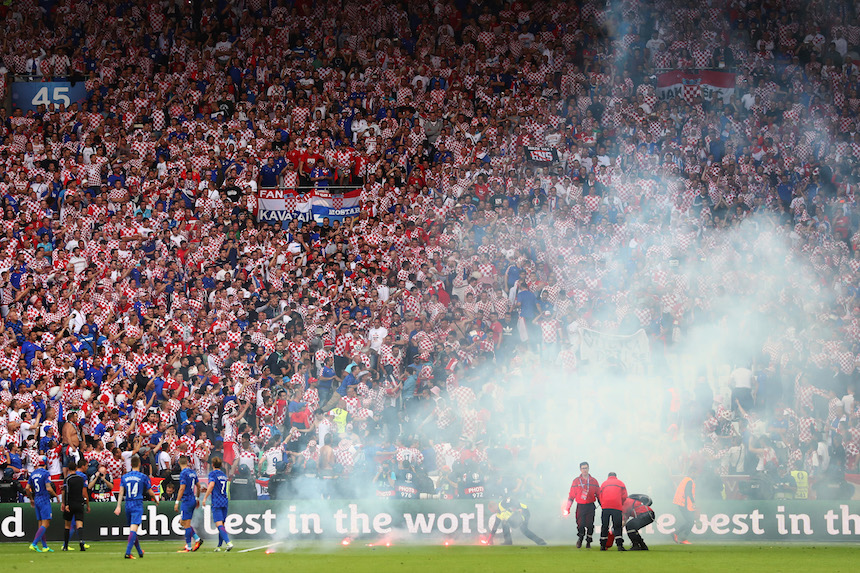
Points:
x=161, y=557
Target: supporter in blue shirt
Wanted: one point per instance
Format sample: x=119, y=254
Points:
x=87, y=339
x=527, y=302
x=348, y=380
x=29, y=349
x=269, y=174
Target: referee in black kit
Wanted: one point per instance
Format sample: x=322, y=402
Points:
x=76, y=498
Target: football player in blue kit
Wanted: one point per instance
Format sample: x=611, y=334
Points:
x=186, y=500
x=132, y=487
x=40, y=491
x=217, y=488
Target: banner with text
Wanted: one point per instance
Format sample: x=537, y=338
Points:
x=542, y=155
x=421, y=521
x=707, y=85
x=280, y=205
x=632, y=353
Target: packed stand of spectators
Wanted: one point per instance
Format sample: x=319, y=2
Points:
x=145, y=310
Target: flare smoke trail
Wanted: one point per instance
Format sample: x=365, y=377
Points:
x=747, y=277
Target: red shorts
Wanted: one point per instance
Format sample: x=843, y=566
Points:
x=57, y=482
x=230, y=453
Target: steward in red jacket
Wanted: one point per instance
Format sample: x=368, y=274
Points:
x=637, y=513
x=583, y=491
x=613, y=494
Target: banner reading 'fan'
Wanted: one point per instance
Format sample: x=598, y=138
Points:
x=688, y=85
x=279, y=205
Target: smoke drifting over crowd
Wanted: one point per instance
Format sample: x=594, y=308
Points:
x=749, y=288
x=743, y=279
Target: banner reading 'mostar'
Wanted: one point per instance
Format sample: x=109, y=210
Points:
x=632, y=352
x=687, y=85
x=279, y=205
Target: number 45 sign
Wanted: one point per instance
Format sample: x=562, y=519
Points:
x=30, y=95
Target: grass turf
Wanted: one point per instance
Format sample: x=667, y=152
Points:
x=161, y=556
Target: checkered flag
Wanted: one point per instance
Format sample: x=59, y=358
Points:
x=290, y=202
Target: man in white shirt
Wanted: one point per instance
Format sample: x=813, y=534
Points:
x=383, y=291
x=39, y=187
x=28, y=427
x=743, y=383
x=655, y=44
x=77, y=261
x=376, y=334
x=162, y=461
x=602, y=157
x=176, y=237
x=272, y=456
x=840, y=45
x=74, y=242
x=223, y=49
x=34, y=62
x=359, y=126
x=848, y=401
x=77, y=317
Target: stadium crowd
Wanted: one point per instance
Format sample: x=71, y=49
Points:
x=145, y=310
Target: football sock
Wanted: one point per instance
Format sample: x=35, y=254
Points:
x=39, y=533
x=132, y=541
x=223, y=533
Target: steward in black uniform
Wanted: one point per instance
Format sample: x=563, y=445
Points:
x=10, y=488
x=243, y=486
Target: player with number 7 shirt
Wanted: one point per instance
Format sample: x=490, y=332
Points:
x=217, y=488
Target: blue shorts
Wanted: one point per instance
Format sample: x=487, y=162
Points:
x=43, y=510
x=187, y=509
x=219, y=514
x=134, y=516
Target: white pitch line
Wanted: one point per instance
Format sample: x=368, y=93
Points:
x=260, y=547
